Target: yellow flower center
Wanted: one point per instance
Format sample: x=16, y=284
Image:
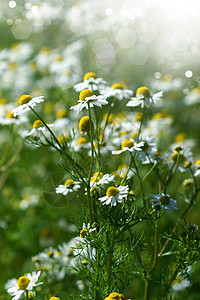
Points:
x=90, y=75
x=116, y=296
x=127, y=143
x=12, y=66
x=82, y=141
x=45, y=50
x=112, y=191
x=37, y=124
x=94, y=179
x=187, y=164
x=98, y=175
x=54, y=298
x=158, y=116
x=85, y=93
x=24, y=99
x=10, y=115
x=167, y=77
x=15, y=46
x=158, y=155
x=117, y=85
x=69, y=183
x=144, y=91
x=23, y=282
x=197, y=163
x=59, y=58
x=63, y=139
x=84, y=233
x=50, y=253
x=3, y=101
x=84, y=124
x=180, y=137
x=62, y=113
x=164, y=200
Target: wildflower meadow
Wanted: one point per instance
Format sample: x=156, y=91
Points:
x=100, y=160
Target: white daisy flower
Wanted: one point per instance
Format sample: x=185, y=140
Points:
x=114, y=195
x=149, y=150
x=38, y=127
x=69, y=187
x=197, y=168
x=47, y=256
x=143, y=96
x=24, y=283
x=80, y=143
x=181, y=156
x=117, y=90
x=26, y=102
x=98, y=180
x=193, y=97
x=163, y=200
x=87, y=96
x=122, y=170
x=91, y=82
x=86, y=230
x=129, y=145
x=10, y=119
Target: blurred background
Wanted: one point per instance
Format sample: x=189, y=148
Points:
x=46, y=47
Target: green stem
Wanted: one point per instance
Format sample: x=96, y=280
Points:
x=142, y=119
x=174, y=168
x=140, y=181
x=26, y=295
x=149, y=171
x=147, y=290
x=155, y=243
x=127, y=170
x=90, y=203
x=149, y=281
x=106, y=123
x=110, y=257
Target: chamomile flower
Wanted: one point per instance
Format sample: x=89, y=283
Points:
x=129, y=145
x=69, y=187
x=197, y=168
x=118, y=91
x=178, y=157
x=87, y=97
x=99, y=180
x=80, y=143
x=163, y=200
x=149, y=150
x=38, y=127
x=91, y=82
x=114, y=195
x=23, y=284
x=10, y=119
x=143, y=96
x=86, y=230
x=193, y=97
x=26, y=103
